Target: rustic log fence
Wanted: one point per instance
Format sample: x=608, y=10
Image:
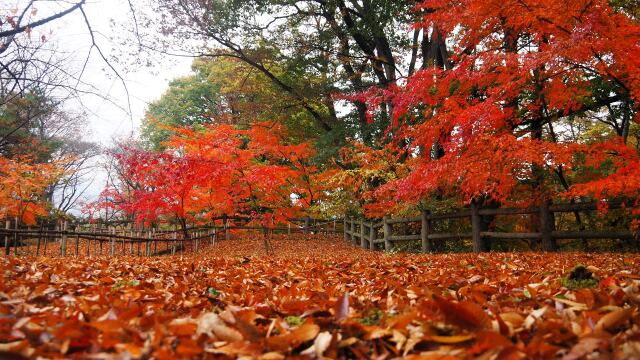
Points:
x=109, y=241
x=366, y=234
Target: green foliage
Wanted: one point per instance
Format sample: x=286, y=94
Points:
x=213, y=292
x=225, y=90
x=579, y=284
x=293, y=320
x=579, y=278
x=190, y=100
x=124, y=283
x=22, y=130
x=373, y=317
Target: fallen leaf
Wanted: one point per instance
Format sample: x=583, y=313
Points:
x=342, y=307
x=212, y=325
x=613, y=319
x=453, y=339
x=465, y=314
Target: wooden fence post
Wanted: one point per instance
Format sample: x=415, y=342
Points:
x=46, y=239
x=99, y=240
x=155, y=241
x=39, y=239
x=547, y=225
x=226, y=227
x=479, y=243
x=131, y=235
x=372, y=235
x=112, y=242
x=363, y=238
x=344, y=229
x=7, y=248
x=77, y=241
x=89, y=240
x=175, y=243
x=354, y=231
x=27, y=241
x=182, y=239
x=63, y=245
x=15, y=236
x=147, y=245
x=387, y=228
x=139, y=236
x=425, y=230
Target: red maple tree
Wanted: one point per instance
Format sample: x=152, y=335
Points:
x=217, y=171
x=495, y=124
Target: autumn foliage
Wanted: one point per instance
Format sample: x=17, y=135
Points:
x=219, y=170
x=22, y=186
x=512, y=115
x=525, y=103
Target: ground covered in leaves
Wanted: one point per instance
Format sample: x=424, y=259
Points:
x=321, y=298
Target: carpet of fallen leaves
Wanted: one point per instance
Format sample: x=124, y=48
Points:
x=321, y=298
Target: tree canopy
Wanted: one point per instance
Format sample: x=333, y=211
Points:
x=410, y=105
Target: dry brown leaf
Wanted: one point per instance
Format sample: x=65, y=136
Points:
x=613, y=319
x=465, y=314
x=212, y=325
x=453, y=339
x=277, y=306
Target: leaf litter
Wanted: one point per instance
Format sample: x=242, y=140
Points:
x=319, y=298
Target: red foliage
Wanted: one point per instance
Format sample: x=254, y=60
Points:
x=519, y=69
x=219, y=170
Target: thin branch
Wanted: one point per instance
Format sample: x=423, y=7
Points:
x=35, y=24
x=104, y=58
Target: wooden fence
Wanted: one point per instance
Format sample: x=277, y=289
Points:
x=366, y=233
x=107, y=240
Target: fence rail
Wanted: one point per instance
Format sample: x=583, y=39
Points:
x=366, y=235
x=174, y=240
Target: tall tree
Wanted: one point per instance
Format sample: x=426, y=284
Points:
x=31, y=62
x=311, y=50
x=516, y=83
x=189, y=100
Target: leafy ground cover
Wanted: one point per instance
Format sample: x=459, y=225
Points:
x=321, y=298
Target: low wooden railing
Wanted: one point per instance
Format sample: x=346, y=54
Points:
x=366, y=232
x=142, y=243
x=21, y=240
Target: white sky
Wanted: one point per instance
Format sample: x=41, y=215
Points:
x=106, y=119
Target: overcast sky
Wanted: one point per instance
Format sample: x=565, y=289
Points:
x=107, y=115
x=107, y=119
